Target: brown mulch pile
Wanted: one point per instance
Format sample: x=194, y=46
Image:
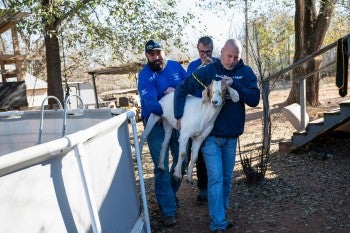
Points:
x=304, y=191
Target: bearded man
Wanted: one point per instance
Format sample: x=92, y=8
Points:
x=156, y=79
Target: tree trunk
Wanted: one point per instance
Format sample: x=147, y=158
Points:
x=312, y=83
x=310, y=30
x=53, y=63
x=53, y=59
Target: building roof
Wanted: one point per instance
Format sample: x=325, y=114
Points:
x=132, y=67
x=33, y=82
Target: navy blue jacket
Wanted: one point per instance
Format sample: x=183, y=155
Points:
x=151, y=86
x=231, y=119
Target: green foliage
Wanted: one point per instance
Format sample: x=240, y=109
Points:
x=113, y=32
x=271, y=29
x=340, y=24
x=123, y=26
x=272, y=37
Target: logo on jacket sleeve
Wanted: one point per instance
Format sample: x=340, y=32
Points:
x=144, y=92
x=152, y=77
x=177, y=77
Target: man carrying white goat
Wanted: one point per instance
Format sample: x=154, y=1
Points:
x=219, y=148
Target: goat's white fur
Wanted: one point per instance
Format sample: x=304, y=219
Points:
x=197, y=122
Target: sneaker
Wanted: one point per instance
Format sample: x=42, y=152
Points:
x=169, y=221
x=202, y=195
x=219, y=231
x=177, y=202
x=229, y=225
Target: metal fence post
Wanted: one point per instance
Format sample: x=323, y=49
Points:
x=302, y=104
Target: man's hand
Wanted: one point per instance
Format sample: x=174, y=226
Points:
x=178, y=124
x=227, y=80
x=169, y=90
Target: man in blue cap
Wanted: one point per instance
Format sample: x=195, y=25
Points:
x=158, y=78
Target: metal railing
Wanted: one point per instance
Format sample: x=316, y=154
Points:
x=65, y=111
x=42, y=114
x=302, y=79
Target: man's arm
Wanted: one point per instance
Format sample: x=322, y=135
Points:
x=149, y=94
x=187, y=86
x=249, y=92
x=181, y=91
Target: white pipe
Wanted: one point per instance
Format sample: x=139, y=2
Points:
x=32, y=155
x=131, y=116
x=42, y=114
x=95, y=220
x=11, y=114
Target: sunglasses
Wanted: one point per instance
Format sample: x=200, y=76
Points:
x=205, y=51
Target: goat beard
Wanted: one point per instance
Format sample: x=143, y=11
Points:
x=156, y=65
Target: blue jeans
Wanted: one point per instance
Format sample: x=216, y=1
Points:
x=166, y=185
x=219, y=155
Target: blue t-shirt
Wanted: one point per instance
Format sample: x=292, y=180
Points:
x=152, y=85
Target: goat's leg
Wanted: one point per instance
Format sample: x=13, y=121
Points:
x=152, y=120
x=183, y=140
x=167, y=131
x=196, y=143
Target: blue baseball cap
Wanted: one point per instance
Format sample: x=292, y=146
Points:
x=152, y=45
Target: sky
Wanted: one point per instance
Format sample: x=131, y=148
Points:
x=219, y=26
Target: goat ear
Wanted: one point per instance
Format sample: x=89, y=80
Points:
x=205, y=97
x=224, y=88
x=233, y=93
x=205, y=94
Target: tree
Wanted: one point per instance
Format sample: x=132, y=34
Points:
x=275, y=29
x=266, y=58
x=310, y=31
x=50, y=22
x=122, y=26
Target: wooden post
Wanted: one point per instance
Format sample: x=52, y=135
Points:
x=3, y=77
x=19, y=63
x=95, y=90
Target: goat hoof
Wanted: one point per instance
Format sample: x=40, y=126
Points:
x=177, y=176
x=190, y=181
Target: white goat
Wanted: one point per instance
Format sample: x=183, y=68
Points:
x=197, y=122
